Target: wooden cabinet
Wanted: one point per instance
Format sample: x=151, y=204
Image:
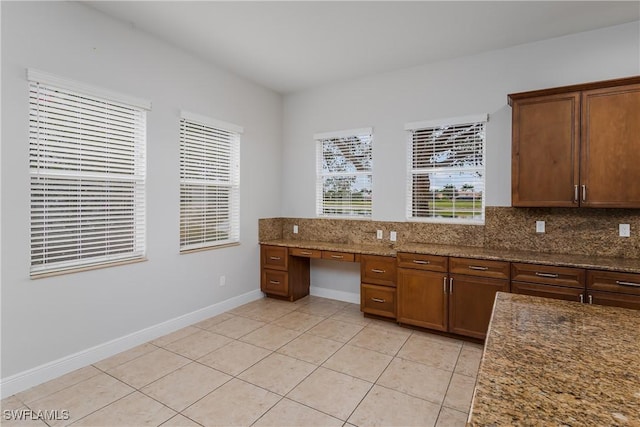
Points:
x=613, y=288
x=577, y=145
x=378, y=285
x=548, y=281
x=473, y=285
x=422, y=291
x=283, y=275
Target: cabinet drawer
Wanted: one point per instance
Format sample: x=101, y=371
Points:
x=338, y=256
x=611, y=281
x=379, y=270
x=479, y=267
x=307, y=253
x=378, y=300
x=548, y=291
x=275, y=282
x=548, y=275
x=615, y=300
x=274, y=257
x=423, y=262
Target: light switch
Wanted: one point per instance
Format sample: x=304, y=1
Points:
x=539, y=226
x=625, y=230
x=379, y=234
x=393, y=236
x=295, y=229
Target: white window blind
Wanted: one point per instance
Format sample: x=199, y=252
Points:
x=344, y=173
x=446, y=170
x=87, y=166
x=209, y=183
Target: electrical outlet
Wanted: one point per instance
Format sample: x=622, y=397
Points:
x=223, y=280
x=393, y=236
x=625, y=230
x=379, y=234
x=295, y=229
x=539, y=226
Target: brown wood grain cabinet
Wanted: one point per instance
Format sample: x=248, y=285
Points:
x=378, y=285
x=577, y=145
x=613, y=288
x=548, y=281
x=283, y=275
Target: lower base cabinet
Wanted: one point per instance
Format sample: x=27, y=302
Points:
x=378, y=300
x=422, y=299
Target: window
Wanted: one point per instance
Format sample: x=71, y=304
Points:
x=446, y=170
x=87, y=167
x=343, y=185
x=209, y=182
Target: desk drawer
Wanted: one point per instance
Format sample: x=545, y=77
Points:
x=339, y=256
x=307, y=253
x=378, y=300
x=548, y=275
x=378, y=270
x=479, y=267
x=274, y=257
x=423, y=262
x=612, y=281
x=275, y=282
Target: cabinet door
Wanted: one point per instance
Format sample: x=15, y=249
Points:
x=422, y=298
x=610, y=151
x=545, y=150
x=548, y=291
x=471, y=304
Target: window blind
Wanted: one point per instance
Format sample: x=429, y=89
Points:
x=209, y=183
x=344, y=173
x=87, y=166
x=446, y=165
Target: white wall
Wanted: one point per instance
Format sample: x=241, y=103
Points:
x=469, y=85
x=47, y=319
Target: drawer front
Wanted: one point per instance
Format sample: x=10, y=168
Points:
x=423, y=262
x=338, y=256
x=615, y=300
x=378, y=300
x=548, y=291
x=274, y=257
x=275, y=282
x=306, y=253
x=548, y=275
x=378, y=270
x=611, y=281
x=479, y=267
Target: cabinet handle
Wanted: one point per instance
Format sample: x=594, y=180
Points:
x=550, y=275
x=575, y=194
x=584, y=193
x=590, y=299
x=380, y=300
x=421, y=262
x=306, y=253
x=375, y=270
x=274, y=282
x=451, y=285
x=581, y=298
x=274, y=258
x=337, y=256
x=478, y=267
x=444, y=285
x=621, y=283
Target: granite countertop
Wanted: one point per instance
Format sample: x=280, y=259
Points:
x=552, y=362
x=563, y=260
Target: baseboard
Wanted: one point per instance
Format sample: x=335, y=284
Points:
x=40, y=374
x=334, y=294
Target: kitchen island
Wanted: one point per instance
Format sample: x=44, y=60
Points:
x=551, y=362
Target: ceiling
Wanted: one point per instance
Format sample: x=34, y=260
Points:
x=294, y=45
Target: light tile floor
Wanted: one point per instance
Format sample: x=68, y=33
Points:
x=314, y=362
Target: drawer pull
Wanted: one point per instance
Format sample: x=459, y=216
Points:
x=622, y=283
x=274, y=282
x=274, y=258
x=444, y=285
x=590, y=299
x=337, y=256
x=375, y=270
x=478, y=267
x=550, y=275
x=420, y=261
x=306, y=253
x=380, y=300
x=575, y=194
x=581, y=298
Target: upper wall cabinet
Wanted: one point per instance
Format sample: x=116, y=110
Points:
x=577, y=145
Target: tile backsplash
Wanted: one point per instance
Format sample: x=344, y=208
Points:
x=568, y=231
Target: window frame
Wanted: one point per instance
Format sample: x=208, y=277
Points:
x=191, y=180
x=75, y=167
x=320, y=139
x=410, y=129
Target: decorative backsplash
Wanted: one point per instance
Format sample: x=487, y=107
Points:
x=568, y=231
